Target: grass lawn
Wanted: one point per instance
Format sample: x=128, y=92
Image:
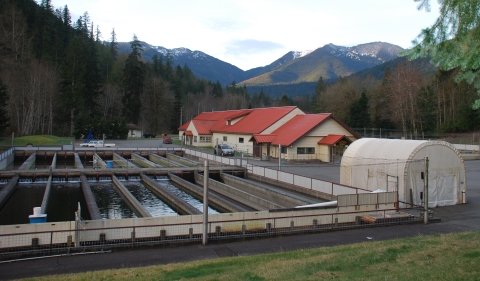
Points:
x=38, y=140
x=437, y=257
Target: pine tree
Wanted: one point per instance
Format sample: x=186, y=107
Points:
x=177, y=107
x=318, y=99
x=359, y=116
x=113, y=45
x=4, y=119
x=217, y=89
x=284, y=101
x=158, y=67
x=132, y=82
x=169, y=67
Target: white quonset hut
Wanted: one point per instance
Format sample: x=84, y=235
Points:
x=399, y=165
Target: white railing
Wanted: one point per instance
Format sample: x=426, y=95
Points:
x=6, y=154
x=281, y=176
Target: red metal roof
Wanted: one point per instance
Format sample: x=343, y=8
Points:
x=188, y=133
x=203, y=126
x=255, y=122
x=297, y=127
x=264, y=138
x=184, y=126
x=238, y=114
x=333, y=139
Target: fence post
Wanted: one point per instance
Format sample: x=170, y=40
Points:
x=425, y=192
x=205, y=203
x=77, y=226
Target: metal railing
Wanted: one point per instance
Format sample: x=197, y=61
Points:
x=90, y=236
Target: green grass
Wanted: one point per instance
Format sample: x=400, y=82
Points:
x=437, y=257
x=37, y=140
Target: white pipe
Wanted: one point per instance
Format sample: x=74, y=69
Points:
x=323, y=204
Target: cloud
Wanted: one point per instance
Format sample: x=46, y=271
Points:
x=251, y=46
x=224, y=25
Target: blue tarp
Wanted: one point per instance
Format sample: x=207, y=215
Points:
x=89, y=137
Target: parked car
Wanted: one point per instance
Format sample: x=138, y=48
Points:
x=167, y=139
x=149, y=135
x=223, y=150
x=96, y=144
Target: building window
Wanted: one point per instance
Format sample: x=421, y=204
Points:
x=194, y=138
x=284, y=149
x=240, y=140
x=305, y=150
x=205, y=139
x=224, y=138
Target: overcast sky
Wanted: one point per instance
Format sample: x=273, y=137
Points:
x=255, y=33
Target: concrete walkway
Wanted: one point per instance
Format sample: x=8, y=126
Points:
x=457, y=218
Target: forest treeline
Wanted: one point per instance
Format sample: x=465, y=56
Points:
x=59, y=76
x=64, y=77
x=406, y=99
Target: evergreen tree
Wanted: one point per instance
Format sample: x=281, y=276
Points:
x=66, y=28
x=169, y=67
x=93, y=78
x=132, y=82
x=158, y=67
x=217, y=89
x=318, y=99
x=73, y=81
x=177, y=107
x=4, y=119
x=359, y=116
x=113, y=45
x=284, y=101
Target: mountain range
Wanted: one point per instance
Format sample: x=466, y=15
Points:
x=329, y=61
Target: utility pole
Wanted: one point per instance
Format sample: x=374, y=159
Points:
x=181, y=116
x=205, y=203
x=425, y=192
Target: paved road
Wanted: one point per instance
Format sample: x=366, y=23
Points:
x=454, y=219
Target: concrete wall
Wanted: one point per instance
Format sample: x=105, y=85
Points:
x=232, y=192
x=173, y=226
x=270, y=195
x=6, y=161
x=316, y=194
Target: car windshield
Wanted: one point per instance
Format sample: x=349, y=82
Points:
x=225, y=147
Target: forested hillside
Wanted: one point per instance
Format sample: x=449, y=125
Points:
x=411, y=96
x=63, y=76
x=59, y=76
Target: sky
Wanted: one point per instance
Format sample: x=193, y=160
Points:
x=253, y=33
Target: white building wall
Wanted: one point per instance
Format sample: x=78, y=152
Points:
x=233, y=140
x=135, y=133
x=328, y=127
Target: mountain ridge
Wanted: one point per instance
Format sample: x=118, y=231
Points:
x=329, y=61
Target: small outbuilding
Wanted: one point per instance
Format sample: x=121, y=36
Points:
x=400, y=165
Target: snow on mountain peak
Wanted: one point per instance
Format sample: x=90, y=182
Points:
x=299, y=54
